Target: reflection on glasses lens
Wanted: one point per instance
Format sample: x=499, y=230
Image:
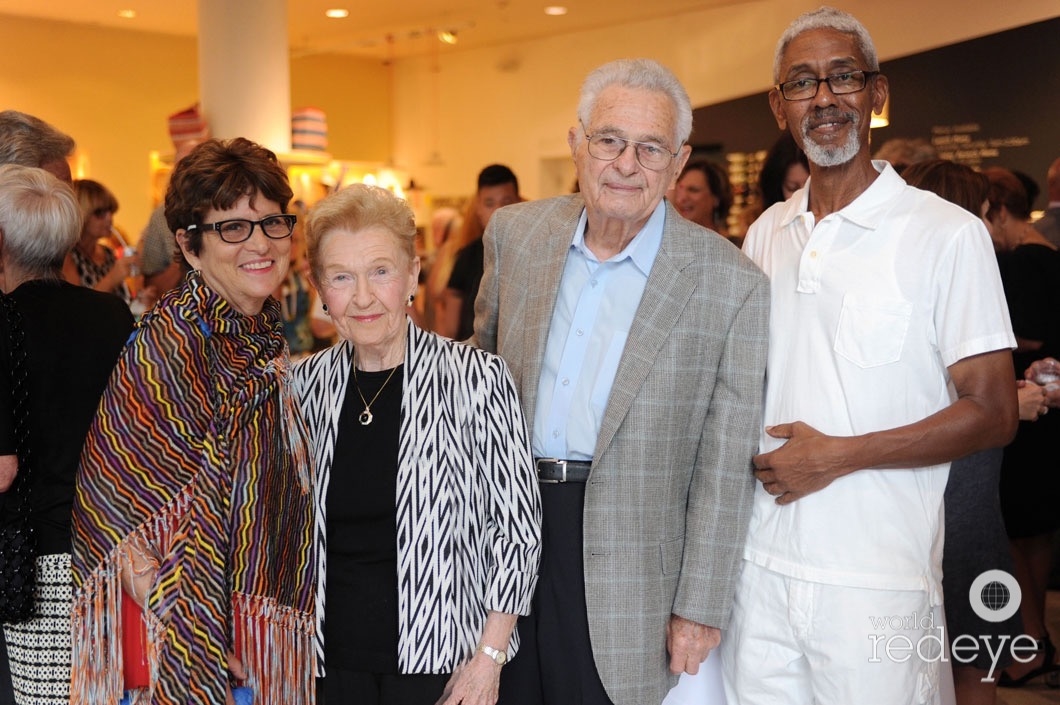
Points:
x=236, y=230
x=608, y=148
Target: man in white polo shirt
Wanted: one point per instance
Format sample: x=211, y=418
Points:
x=888, y=357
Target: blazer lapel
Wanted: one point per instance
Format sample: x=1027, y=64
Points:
x=545, y=270
x=666, y=294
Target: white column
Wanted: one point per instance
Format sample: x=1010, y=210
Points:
x=244, y=70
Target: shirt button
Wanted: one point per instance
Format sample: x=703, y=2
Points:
x=592, y=282
x=579, y=332
x=813, y=254
x=566, y=381
x=555, y=434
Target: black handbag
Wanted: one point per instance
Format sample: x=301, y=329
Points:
x=18, y=548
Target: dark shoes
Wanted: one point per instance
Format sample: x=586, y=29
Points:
x=1049, y=668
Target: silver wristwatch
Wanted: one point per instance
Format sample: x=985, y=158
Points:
x=499, y=657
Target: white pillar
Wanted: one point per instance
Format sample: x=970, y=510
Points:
x=244, y=70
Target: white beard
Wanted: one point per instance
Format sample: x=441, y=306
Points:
x=833, y=155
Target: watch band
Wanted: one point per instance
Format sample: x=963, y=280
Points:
x=499, y=657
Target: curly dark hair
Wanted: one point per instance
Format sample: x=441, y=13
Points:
x=215, y=175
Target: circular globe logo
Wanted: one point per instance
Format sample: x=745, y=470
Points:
x=995, y=595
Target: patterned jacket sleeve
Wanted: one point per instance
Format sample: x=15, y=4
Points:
x=514, y=526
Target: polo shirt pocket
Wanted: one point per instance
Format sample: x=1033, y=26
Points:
x=871, y=331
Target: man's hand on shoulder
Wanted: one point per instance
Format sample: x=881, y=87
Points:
x=689, y=643
x=807, y=463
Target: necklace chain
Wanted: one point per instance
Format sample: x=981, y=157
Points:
x=366, y=416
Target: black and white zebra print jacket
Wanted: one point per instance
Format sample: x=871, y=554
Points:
x=468, y=508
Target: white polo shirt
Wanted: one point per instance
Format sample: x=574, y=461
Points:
x=869, y=308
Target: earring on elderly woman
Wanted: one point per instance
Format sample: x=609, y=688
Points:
x=325, y=307
x=412, y=297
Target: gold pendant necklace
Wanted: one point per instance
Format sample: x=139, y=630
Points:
x=366, y=416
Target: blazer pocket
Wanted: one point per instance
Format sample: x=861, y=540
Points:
x=871, y=332
x=672, y=552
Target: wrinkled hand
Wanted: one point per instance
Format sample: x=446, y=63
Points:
x=1032, y=400
x=807, y=463
x=474, y=682
x=689, y=643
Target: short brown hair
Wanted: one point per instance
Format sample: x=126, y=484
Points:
x=1007, y=190
x=955, y=182
x=215, y=175
x=92, y=195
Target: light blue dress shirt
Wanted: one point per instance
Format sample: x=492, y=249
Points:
x=594, y=312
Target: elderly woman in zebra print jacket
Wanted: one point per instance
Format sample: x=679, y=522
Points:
x=428, y=512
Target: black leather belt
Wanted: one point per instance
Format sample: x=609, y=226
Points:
x=553, y=470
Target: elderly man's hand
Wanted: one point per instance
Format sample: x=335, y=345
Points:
x=1045, y=373
x=689, y=643
x=1033, y=400
x=808, y=462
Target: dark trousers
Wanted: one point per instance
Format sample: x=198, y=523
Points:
x=360, y=688
x=555, y=663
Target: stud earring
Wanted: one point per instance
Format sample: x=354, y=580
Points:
x=412, y=297
x=325, y=306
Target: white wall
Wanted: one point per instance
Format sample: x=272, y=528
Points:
x=514, y=104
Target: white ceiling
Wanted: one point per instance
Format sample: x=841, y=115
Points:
x=374, y=28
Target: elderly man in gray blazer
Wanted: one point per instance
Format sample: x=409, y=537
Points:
x=637, y=341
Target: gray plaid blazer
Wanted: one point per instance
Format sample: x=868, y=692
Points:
x=669, y=499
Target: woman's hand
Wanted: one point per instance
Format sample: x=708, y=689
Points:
x=474, y=682
x=235, y=668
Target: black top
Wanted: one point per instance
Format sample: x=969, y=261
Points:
x=466, y=278
x=73, y=336
x=361, y=623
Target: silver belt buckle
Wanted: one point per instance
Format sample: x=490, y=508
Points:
x=556, y=461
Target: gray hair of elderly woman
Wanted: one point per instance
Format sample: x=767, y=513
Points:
x=637, y=73
x=356, y=208
x=40, y=219
x=29, y=141
x=826, y=17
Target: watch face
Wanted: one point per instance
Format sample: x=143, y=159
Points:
x=500, y=657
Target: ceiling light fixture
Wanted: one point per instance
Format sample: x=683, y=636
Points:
x=555, y=10
x=127, y=14
x=448, y=36
x=337, y=13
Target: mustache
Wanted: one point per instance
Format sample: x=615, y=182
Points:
x=830, y=114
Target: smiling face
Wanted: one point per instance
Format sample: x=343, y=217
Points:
x=693, y=198
x=244, y=273
x=622, y=189
x=365, y=280
x=831, y=129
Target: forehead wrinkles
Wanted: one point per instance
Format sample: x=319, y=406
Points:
x=622, y=111
x=830, y=66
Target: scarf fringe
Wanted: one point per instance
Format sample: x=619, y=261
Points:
x=96, y=632
x=276, y=645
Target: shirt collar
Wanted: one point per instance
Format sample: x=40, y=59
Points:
x=641, y=250
x=866, y=211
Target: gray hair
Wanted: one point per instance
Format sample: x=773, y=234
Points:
x=40, y=219
x=637, y=73
x=826, y=17
x=29, y=141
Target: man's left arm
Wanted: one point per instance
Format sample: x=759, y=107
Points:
x=984, y=415
x=720, y=493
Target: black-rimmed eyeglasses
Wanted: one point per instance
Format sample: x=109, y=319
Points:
x=608, y=148
x=236, y=230
x=838, y=83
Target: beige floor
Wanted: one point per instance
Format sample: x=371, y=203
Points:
x=1037, y=693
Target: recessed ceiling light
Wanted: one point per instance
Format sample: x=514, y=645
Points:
x=127, y=14
x=555, y=10
x=337, y=13
x=448, y=36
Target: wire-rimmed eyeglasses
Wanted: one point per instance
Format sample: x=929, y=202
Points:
x=236, y=230
x=838, y=83
x=608, y=148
